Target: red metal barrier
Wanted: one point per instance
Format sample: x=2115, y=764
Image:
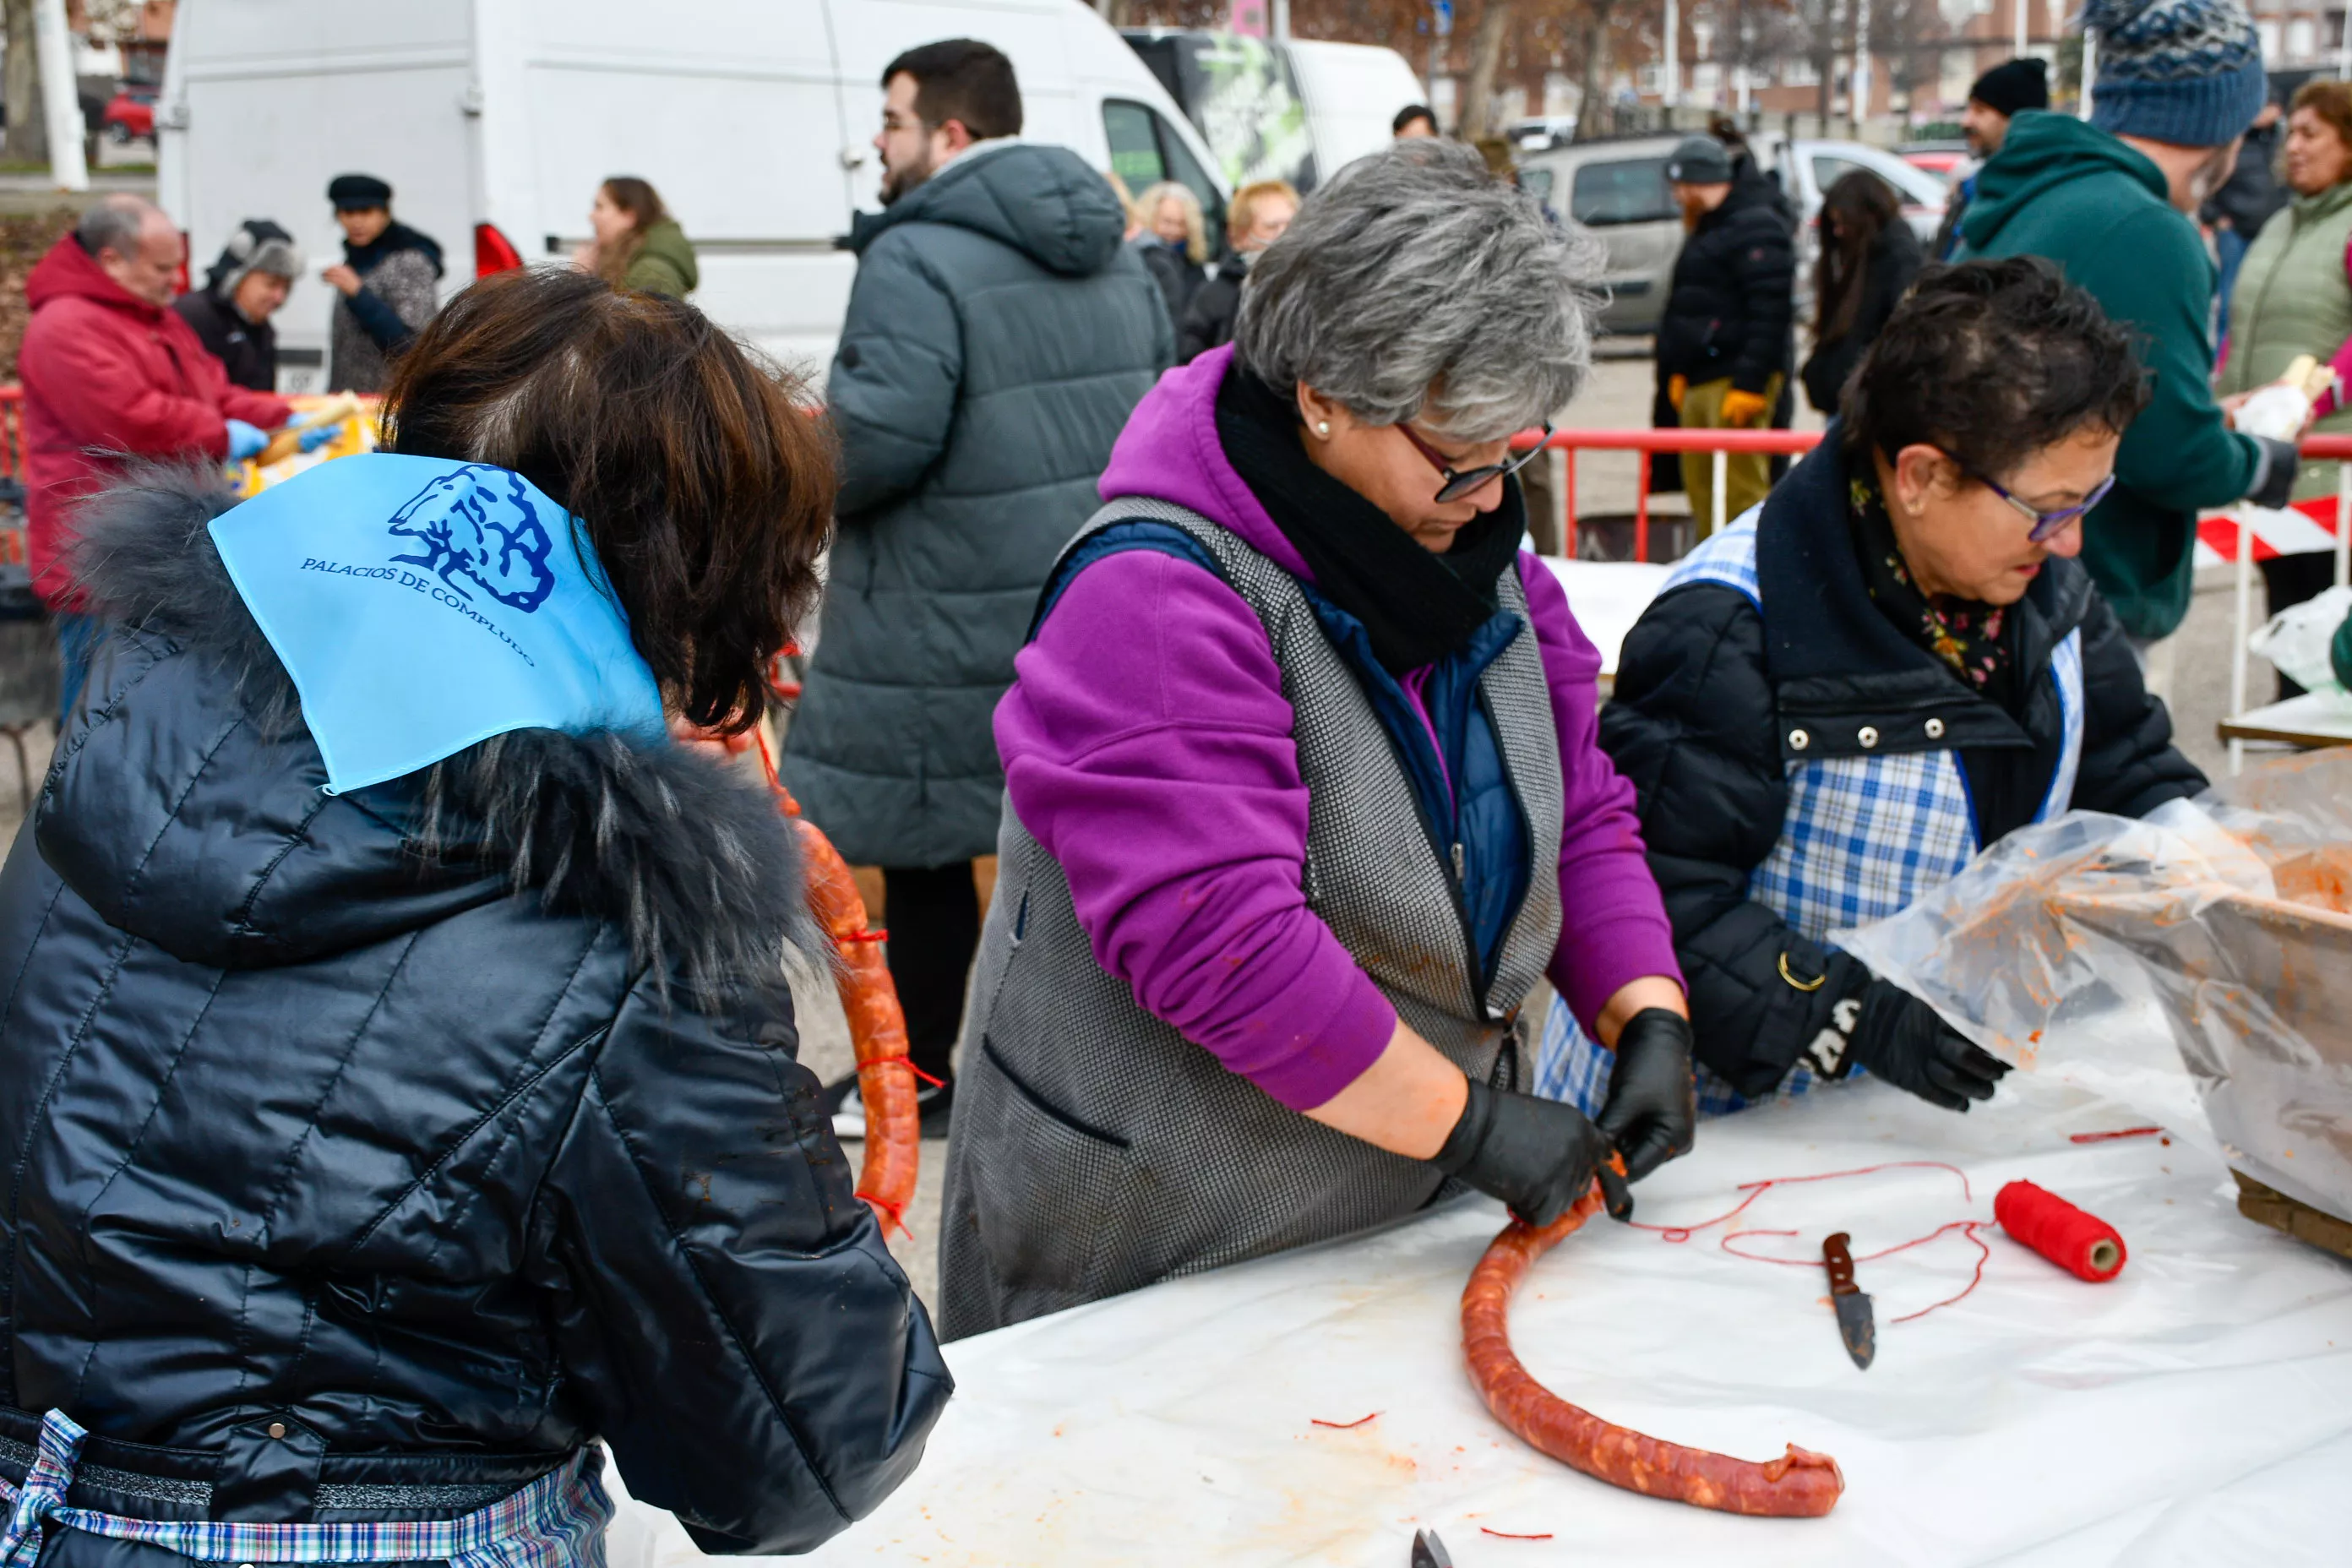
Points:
x=1647, y=443
x=12, y=431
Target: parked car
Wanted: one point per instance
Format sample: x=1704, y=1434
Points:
x=1939, y=158
x=130, y=114
x=1618, y=190
x=1541, y=132
x=753, y=118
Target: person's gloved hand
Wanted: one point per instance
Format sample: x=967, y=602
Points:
x=2278, y=476
x=1652, y=1114
x=1675, y=387
x=1744, y=407
x=245, y=440
x=1536, y=1155
x=1901, y=1039
x=314, y=437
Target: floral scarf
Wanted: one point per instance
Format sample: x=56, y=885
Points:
x=1969, y=636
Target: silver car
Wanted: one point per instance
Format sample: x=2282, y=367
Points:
x=1618, y=190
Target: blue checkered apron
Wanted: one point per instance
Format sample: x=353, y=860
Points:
x=556, y=1521
x=1864, y=838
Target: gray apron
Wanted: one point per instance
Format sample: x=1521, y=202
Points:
x=1095, y=1149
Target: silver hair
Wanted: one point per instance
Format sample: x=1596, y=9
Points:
x=113, y=225
x=1413, y=283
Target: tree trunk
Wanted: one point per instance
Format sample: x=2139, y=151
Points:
x=1592, y=118
x=29, y=132
x=1115, y=12
x=1477, y=116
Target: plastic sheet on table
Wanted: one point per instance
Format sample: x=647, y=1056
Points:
x=2195, y=965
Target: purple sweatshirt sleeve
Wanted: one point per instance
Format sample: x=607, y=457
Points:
x=1147, y=746
x=1616, y=929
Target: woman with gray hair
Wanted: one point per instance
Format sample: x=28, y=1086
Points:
x=1302, y=790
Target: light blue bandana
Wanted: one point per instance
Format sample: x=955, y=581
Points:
x=422, y=604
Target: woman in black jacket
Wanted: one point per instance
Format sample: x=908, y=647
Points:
x=381, y=1147
x=231, y=313
x=1868, y=257
x=1830, y=711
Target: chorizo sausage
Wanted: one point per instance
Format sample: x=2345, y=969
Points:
x=1797, y=1485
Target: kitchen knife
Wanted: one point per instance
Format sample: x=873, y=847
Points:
x=1855, y=1326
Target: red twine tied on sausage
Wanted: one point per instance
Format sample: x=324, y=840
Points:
x=2081, y=1244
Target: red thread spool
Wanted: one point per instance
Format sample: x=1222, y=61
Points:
x=2080, y=1243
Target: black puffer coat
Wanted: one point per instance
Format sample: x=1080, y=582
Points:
x=452, y=1118
x=1710, y=688
x=1730, y=307
x=1893, y=262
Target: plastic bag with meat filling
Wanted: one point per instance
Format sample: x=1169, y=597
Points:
x=2195, y=965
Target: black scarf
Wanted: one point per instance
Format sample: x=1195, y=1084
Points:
x=396, y=236
x=1418, y=607
x=1974, y=641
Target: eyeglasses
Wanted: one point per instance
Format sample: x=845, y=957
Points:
x=1466, y=481
x=2045, y=523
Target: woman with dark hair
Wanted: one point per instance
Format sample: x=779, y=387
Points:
x=1898, y=660
x=1301, y=793
x=1868, y=257
x=399, y=1075
x=638, y=246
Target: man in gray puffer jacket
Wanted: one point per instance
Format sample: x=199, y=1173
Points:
x=997, y=336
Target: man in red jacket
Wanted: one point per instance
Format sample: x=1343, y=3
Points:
x=110, y=374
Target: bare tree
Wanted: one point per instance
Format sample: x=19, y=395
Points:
x=1477, y=116
x=1115, y=12
x=28, y=133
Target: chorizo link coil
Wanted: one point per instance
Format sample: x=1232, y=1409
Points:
x=1797, y=1485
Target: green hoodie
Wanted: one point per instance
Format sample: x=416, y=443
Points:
x=2060, y=189
x=663, y=264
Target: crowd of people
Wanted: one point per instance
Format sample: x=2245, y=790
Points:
x=388, y=1138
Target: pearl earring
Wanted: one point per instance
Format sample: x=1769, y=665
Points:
x=1323, y=427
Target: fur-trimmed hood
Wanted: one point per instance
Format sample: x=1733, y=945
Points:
x=187, y=806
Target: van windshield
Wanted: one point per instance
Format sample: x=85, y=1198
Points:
x=1622, y=190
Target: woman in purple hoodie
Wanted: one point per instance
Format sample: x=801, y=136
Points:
x=1302, y=791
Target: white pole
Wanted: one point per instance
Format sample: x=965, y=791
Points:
x=2343, y=523
x=1861, y=62
x=1673, y=93
x=2238, y=643
x=60, y=99
x=2090, y=74
x=1281, y=18
x=1722, y=483
x=2020, y=19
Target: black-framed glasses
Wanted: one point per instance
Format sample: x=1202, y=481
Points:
x=2045, y=523
x=1458, y=484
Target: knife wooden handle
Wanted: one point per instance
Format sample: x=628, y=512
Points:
x=1840, y=1260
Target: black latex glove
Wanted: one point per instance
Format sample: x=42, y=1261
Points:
x=1652, y=1114
x=1536, y=1155
x=1901, y=1039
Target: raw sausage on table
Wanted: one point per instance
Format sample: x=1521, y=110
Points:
x=1797, y=1485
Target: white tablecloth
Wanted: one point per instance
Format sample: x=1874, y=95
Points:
x=2196, y=1410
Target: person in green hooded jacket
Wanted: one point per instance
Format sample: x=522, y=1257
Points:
x=2179, y=82
x=639, y=249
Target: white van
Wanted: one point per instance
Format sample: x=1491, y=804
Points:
x=1292, y=110
x=495, y=121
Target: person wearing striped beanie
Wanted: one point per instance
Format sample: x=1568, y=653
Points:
x=2111, y=200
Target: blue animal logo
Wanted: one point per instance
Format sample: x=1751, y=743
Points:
x=478, y=523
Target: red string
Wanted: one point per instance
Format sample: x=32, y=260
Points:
x=892, y=1214
x=1969, y=1228
x=1343, y=1426
x=1507, y=1535
x=2106, y=1137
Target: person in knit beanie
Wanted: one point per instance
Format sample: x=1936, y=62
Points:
x=2007, y=91
x=2110, y=200
x=231, y=313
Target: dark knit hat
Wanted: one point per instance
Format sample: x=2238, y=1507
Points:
x=2014, y=86
x=1699, y=161
x=358, y=192
x=2189, y=72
